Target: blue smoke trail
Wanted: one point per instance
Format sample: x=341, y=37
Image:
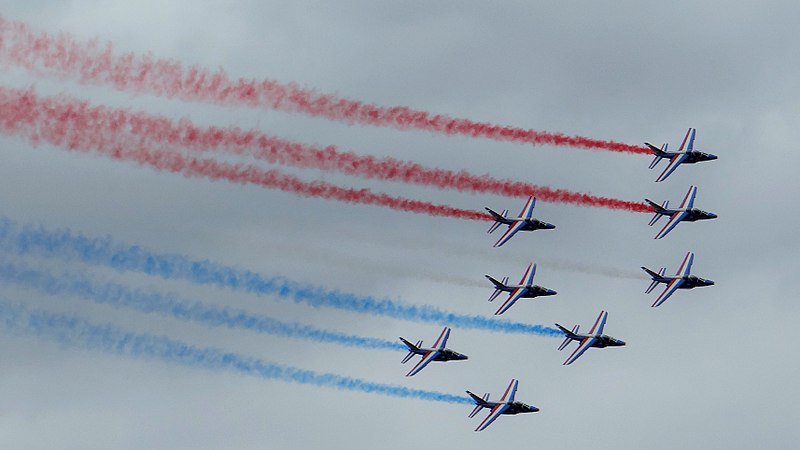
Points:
x=73, y=332
x=153, y=302
x=63, y=244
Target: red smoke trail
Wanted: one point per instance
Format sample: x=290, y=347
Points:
x=75, y=127
x=95, y=63
x=150, y=131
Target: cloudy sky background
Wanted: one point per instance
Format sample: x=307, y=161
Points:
x=712, y=367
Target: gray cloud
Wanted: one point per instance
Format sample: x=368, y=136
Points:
x=710, y=368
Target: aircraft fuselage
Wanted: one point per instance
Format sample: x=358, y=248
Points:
x=529, y=291
x=605, y=340
x=695, y=156
x=442, y=355
x=537, y=291
x=692, y=282
x=692, y=156
x=536, y=224
x=519, y=408
x=689, y=282
x=602, y=340
x=692, y=215
x=695, y=214
x=449, y=355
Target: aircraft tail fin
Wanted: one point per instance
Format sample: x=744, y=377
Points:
x=569, y=336
x=652, y=286
x=660, y=153
x=480, y=402
x=655, y=162
x=499, y=219
x=659, y=210
x=655, y=277
x=498, y=287
x=412, y=349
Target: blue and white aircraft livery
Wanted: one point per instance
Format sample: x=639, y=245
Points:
x=525, y=289
x=525, y=222
x=437, y=353
x=595, y=338
x=506, y=405
x=685, y=155
x=681, y=280
x=686, y=212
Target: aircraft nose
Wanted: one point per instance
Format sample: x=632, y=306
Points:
x=551, y=292
x=712, y=215
x=710, y=282
x=710, y=156
x=621, y=342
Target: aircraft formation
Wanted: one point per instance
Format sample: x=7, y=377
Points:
x=595, y=338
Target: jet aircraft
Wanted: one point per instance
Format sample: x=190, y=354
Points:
x=681, y=280
x=686, y=212
x=525, y=289
x=685, y=155
x=595, y=338
x=437, y=353
x=506, y=405
x=525, y=222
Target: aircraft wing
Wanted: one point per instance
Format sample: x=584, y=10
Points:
x=673, y=164
x=672, y=223
x=426, y=359
x=527, y=279
x=585, y=344
x=512, y=230
x=688, y=140
x=442, y=341
x=527, y=211
x=511, y=391
x=496, y=412
x=516, y=294
x=599, y=324
x=688, y=201
x=671, y=288
x=686, y=265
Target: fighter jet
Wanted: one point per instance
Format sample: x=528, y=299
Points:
x=525, y=289
x=437, y=353
x=684, y=155
x=525, y=222
x=681, y=280
x=595, y=338
x=506, y=405
x=686, y=212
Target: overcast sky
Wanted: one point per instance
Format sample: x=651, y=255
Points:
x=711, y=368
